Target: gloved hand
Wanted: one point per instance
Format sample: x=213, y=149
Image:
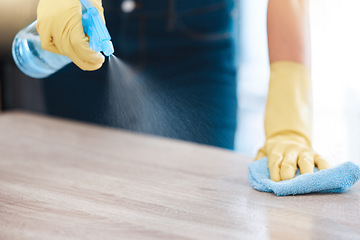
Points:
x=288, y=118
x=60, y=28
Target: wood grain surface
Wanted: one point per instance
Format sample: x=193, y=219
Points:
x=66, y=180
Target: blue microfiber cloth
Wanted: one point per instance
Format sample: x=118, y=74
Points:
x=333, y=180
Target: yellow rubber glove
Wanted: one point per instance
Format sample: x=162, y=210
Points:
x=60, y=28
x=288, y=120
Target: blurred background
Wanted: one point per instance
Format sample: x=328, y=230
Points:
x=335, y=39
x=335, y=71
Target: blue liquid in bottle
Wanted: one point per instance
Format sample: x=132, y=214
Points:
x=31, y=59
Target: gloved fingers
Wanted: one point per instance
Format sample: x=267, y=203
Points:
x=49, y=46
x=260, y=154
x=321, y=163
x=306, y=162
x=274, y=164
x=47, y=41
x=289, y=165
x=80, y=52
x=61, y=31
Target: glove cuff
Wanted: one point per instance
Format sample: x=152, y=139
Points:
x=289, y=102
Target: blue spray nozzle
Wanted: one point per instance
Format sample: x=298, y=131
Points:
x=94, y=27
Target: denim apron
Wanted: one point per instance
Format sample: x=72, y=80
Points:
x=183, y=52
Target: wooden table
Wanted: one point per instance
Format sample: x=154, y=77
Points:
x=66, y=180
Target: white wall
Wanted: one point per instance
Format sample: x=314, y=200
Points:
x=336, y=78
x=253, y=76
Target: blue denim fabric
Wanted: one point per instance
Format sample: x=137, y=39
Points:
x=184, y=52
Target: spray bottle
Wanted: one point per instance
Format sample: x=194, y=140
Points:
x=36, y=62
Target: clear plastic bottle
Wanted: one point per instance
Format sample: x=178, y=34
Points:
x=31, y=59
